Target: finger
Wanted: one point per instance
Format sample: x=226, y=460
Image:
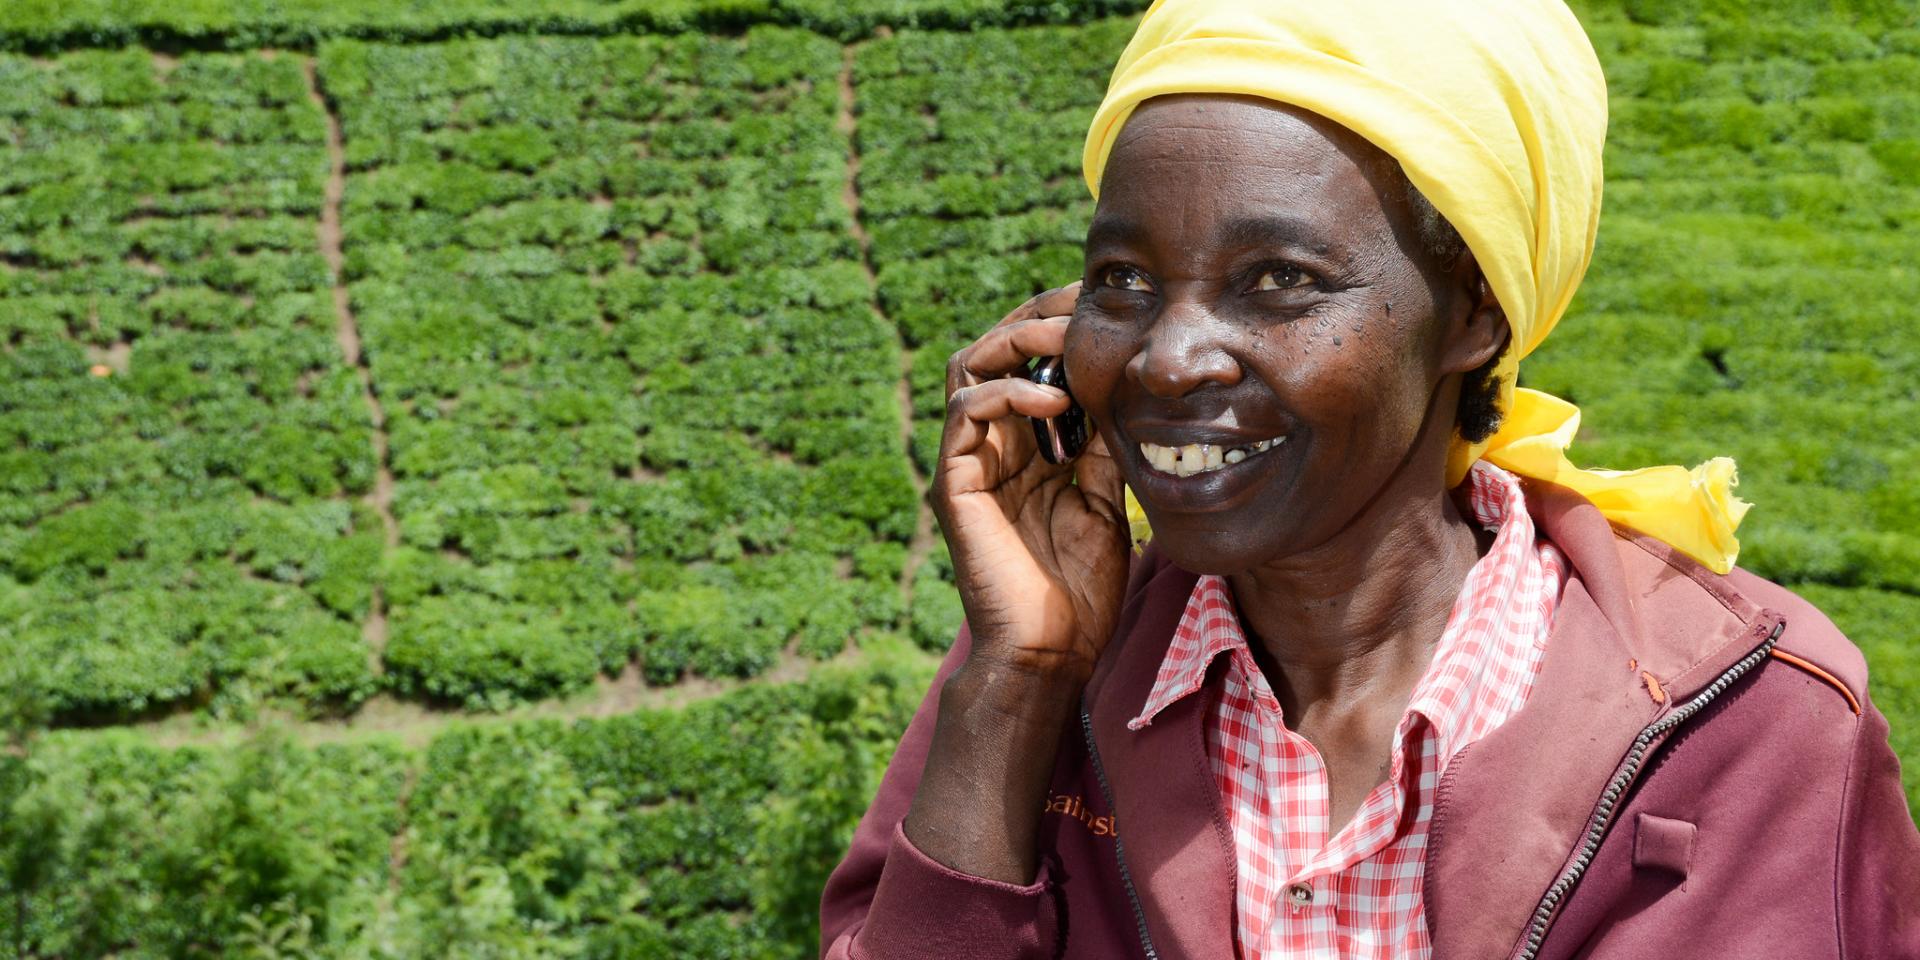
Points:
x=1052, y=303
x=972, y=410
x=1057, y=301
x=1006, y=349
x=1047, y=303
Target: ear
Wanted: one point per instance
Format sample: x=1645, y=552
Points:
x=1477, y=328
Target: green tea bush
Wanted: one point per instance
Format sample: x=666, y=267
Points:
x=936, y=613
x=110, y=846
x=705, y=831
x=612, y=302
x=183, y=432
x=34, y=25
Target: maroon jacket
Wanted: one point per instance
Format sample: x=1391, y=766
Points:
x=1698, y=771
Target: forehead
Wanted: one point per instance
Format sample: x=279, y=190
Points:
x=1220, y=126
x=1198, y=159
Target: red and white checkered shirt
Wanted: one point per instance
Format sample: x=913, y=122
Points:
x=1357, y=895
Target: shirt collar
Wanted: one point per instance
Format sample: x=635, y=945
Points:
x=1210, y=625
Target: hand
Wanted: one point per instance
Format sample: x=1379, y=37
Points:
x=1040, y=559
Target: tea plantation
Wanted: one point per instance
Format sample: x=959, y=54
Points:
x=486, y=363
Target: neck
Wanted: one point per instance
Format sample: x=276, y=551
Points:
x=1353, y=621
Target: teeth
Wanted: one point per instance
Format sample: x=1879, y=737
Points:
x=1161, y=457
x=1192, y=458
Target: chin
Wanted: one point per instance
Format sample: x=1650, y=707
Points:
x=1208, y=553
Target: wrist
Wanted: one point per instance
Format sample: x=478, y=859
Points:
x=1015, y=692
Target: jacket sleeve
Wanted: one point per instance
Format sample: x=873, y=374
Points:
x=1878, y=881
x=886, y=899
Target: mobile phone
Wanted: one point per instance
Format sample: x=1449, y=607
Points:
x=1061, y=437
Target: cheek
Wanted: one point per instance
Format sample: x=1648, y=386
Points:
x=1349, y=373
x=1097, y=354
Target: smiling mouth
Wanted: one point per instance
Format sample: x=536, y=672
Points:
x=1196, y=458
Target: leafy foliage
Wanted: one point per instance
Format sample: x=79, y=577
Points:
x=245, y=24
x=179, y=430
x=701, y=832
x=110, y=846
x=610, y=297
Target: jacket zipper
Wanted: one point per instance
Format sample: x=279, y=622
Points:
x=1119, y=846
x=1556, y=895
x=1548, y=909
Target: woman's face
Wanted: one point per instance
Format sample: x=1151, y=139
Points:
x=1254, y=274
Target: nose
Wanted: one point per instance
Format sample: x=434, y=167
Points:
x=1183, y=349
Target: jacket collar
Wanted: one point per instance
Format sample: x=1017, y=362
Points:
x=1640, y=627
x=1178, y=847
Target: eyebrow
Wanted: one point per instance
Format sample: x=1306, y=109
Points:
x=1108, y=232
x=1239, y=233
x=1274, y=231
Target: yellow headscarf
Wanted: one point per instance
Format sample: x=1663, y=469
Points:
x=1497, y=111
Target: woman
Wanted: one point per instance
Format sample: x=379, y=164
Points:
x=1394, y=678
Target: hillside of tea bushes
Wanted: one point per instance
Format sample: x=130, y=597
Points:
x=471, y=360
x=636, y=396
x=184, y=436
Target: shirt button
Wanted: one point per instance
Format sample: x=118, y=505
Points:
x=1300, y=894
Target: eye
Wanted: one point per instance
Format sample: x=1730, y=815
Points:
x=1283, y=277
x=1126, y=278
